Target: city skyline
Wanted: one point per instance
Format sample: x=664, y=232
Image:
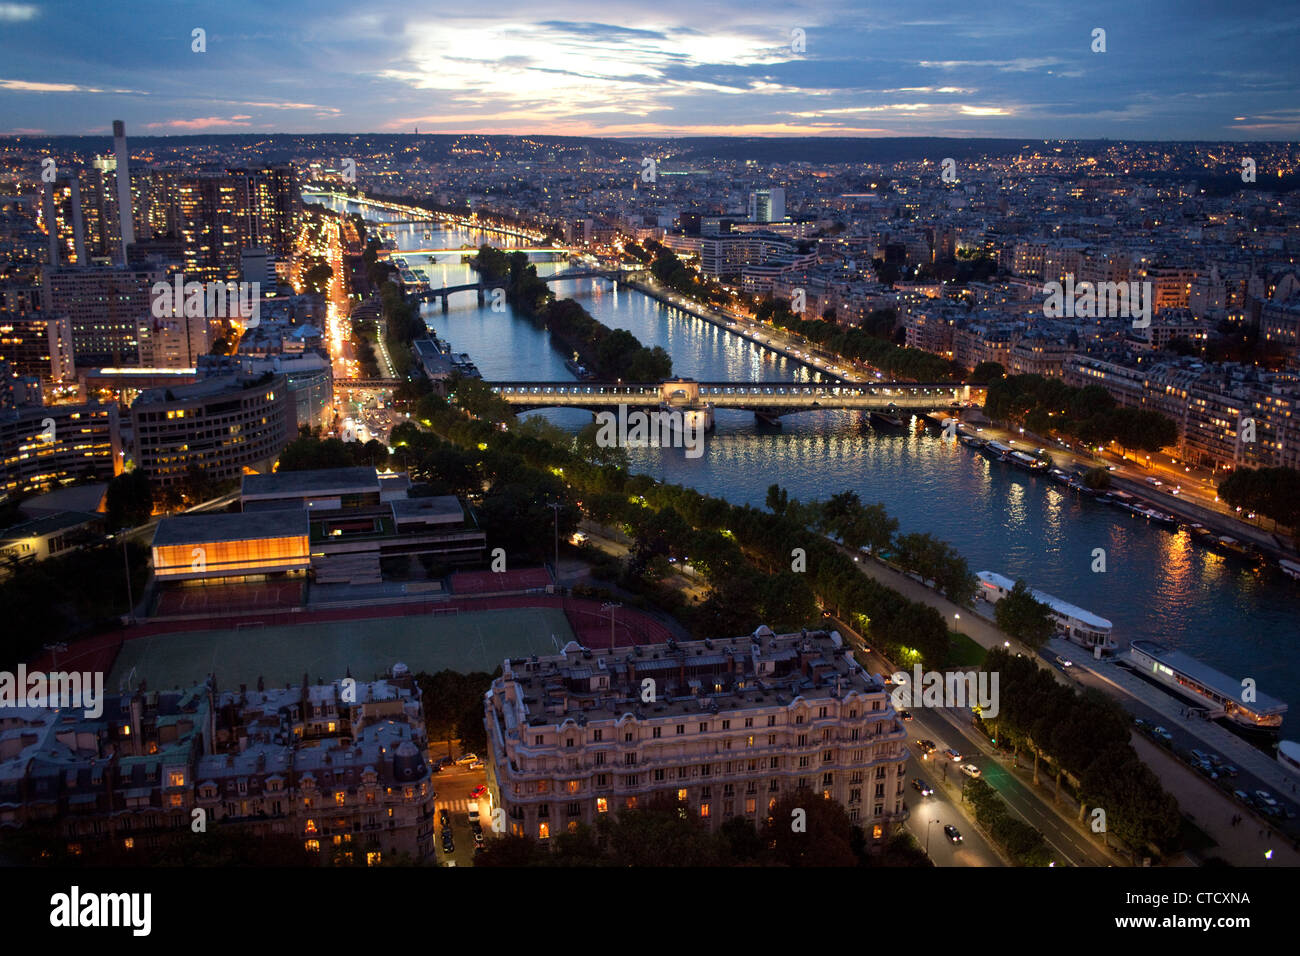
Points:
x=997, y=70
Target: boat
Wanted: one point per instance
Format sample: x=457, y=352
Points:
x=1200, y=682
x=1026, y=462
x=1288, y=755
x=970, y=440
x=889, y=418
x=1072, y=622
x=581, y=372
x=1290, y=568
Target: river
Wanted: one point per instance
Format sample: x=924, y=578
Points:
x=1157, y=584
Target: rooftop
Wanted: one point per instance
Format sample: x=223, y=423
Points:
x=318, y=481
x=238, y=526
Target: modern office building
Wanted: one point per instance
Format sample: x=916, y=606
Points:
x=173, y=341
x=41, y=445
x=767, y=205
x=37, y=344
x=730, y=726
x=225, y=426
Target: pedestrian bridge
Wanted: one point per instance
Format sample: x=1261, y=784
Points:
x=768, y=400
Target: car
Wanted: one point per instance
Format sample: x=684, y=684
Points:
x=466, y=759
x=473, y=813
x=970, y=770
x=1064, y=662
x=444, y=818
x=952, y=833
x=578, y=538
x=921, y=787
x=952, y=754
x=476, y=765
x=1154, y=482
x=905, y=714
x=927, y=746
x=1228, y=770
x=1266, y=798
x=448, y=862
x=1244, y=797
x=479, y=840
x=446, y=762
x=479, y=791
x=1199, y=756
x=1139, y=722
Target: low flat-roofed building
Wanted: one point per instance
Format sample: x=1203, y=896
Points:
x=326, y=489
x=231, y=545
x=50, y=535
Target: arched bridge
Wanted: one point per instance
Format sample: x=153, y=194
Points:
x=768, y=400
x=483, y=285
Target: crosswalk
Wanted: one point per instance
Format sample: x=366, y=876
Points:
x=453, y=806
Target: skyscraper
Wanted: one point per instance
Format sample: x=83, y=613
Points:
x=767, y=205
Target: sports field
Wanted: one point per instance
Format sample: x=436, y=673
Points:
x=465, y=641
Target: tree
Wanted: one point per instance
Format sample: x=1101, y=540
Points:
x=129, y=499
x=1098, y=479
x=805, y=829
x=1024, y=617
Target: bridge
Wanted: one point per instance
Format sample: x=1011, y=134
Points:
x=767, y=400
x=473, y=250
x=483, y=285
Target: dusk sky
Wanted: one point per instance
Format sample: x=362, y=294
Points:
x=1174, y=69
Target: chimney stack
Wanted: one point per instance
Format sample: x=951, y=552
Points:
x=123, y=186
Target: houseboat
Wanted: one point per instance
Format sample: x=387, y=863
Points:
x=1223, y=695
x=1074, y=623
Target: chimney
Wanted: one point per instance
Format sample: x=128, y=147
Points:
x=123, y=186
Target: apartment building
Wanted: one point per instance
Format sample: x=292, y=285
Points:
x=341, y=766
x=42, y=445
x=721, y=727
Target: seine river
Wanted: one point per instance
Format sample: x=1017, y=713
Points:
x=1157, y=584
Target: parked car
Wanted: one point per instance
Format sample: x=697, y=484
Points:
x=921, y=787
x=1228, y=769
x=466, y=759
x=952, y=833
x=444, y=818
x=476, y=765
x=970, y=770
x=1265, y=798
x=1244, y=797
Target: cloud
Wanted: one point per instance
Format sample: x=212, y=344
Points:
x=204, y=122
x=17, y=12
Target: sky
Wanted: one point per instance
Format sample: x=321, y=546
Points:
x=1172, y=69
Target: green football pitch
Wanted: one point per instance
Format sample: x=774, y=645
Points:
x=465, y=641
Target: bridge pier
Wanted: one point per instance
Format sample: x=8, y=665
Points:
x=482, y=296
x=763, y=418
x=444, y=304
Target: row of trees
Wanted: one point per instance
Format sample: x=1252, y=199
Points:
x=1022, y=843
x=859, y=526
x=802, y=830
x=1090, y=414
x=872, y=342
x=614, y=353
x=1085, y=736
x=1024, y=617
x=310, y=451
x=1271, y=492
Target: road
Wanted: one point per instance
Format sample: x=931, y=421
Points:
x=453, y=786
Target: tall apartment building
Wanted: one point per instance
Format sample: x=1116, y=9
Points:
x=104, y=306
x=727, y=255
x=221, y=425
x=730, y=725
x=174, y=341
x=341, y=768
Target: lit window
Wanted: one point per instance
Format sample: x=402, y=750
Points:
x=129, y=843
x=602, y=805
x=543, y=831
x=311, y=826
x=374, y=858
x=340, y=798
x=704, y=810
x=681, y=794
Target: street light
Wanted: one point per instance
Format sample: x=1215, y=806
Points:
x=927, y=836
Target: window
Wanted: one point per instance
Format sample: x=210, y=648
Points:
x=774, y=763
x=602, y=805
x=828, y=756
x=600, y=759
x=771, y=720
x=537, y=740
x=629, y=759
x=821, y=712
x=726, y=725
x=704, y=811
x=803, y=762
x=855, y=795
x=597, y=735
x=749, y=741
x=600, y=780
x=749, y=805
x=681, y=729
x=656, y=733
x=373, y=858
x=771, y=740
x=803, y=740
x=880, y=790
x=704, y=728
x=659, y=776
x=543, y=831
x=798, y=719
x=826, y=779
x=574, y=786
x=568, y=741
x=340, y=798
x=681, y=795
x=627, y=737
x=749, y=721
x=176, y=778
x=312, y=846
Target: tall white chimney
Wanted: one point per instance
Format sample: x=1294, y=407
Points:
x=123, y=186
